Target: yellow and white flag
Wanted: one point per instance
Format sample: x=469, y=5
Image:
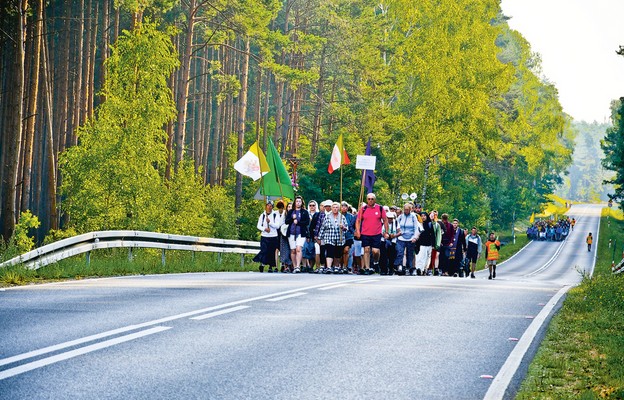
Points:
x=253, y=164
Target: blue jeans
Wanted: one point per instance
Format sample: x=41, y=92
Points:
x=401, y=246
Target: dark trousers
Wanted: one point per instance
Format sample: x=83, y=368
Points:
x=268, y=245
x=444, y=265
x=388, y=255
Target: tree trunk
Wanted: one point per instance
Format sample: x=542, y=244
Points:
x=62, y=88
x=242, y=110
x=91, y=70
x=79, y=57
x=33, y=102
x=50, y=155
x=182, y=100
x=104, y=44
x=14, y=126
x=318, y=111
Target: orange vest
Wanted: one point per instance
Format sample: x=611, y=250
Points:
x=492, y=251
x=589, y=239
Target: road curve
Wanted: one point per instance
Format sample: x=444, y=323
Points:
x=277, y=336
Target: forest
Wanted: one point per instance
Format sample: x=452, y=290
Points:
x=129, y=114
x=584, y=180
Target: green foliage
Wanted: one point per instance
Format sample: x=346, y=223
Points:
x=613, y=147
x=584, y=181
x=20, y=242
x=54, y=235
x=113, y=178
x=582, y=354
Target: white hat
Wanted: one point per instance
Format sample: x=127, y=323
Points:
x=391, y=214
x=327, y=203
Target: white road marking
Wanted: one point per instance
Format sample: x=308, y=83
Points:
x=506, y=373
x=78, y=352
x=220, y=312
x=290, y=296
x=334, y=286
x=128, y=328
x=549, y=262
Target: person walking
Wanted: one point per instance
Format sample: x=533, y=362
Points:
x=297, y=220
x=408, y=233
x=345, y=210
x=475, y=246
x=284, y=247
x=448, y=236
x=589, y=241
x=458, y=250
x=426, y=242
x=268, y=224
x=388, y=246
x=370, y=219
x=332, y=233
x=492, y=246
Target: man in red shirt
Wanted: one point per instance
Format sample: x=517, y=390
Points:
x=370, y=219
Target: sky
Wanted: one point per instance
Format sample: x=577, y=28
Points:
x=577, y=40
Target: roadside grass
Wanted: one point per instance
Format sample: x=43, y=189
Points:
x=510, y=248
x=582, y=355
x=557, y=207
x=115, y=262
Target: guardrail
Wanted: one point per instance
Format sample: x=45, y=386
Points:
x=88, y=242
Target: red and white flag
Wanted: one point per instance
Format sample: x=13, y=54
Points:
x=338, y=157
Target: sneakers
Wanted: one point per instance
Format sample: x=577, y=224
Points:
x=493, y=274
x=490, y=277
x=418, y=272
x=271, y=270
x=472, y=275
x=296, y=270
x=261, y=268
x=455, y=275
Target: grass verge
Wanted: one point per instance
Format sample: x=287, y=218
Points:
x=115, y=262
x=582, y=355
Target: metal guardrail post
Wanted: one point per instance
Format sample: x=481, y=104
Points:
x=130, y=254
x=219, y=258
x=88, y=258
x=162, y=257
x=242, y=261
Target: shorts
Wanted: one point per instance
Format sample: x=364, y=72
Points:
x=317, y=248
x=333, y=251
x=348, y=243
x=472, y=257
x=373, y=241
x=357, y=248
x=491, y=262
x=296, y=241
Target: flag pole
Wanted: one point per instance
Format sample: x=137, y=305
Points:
x=361, y=189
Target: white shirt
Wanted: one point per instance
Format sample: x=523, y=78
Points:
x=273, y=221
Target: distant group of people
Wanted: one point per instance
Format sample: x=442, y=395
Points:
x=336, y=238
x=550, y=230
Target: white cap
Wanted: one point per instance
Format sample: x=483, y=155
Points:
x=391, y=214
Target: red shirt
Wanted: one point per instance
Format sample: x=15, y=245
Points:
x=371, y=220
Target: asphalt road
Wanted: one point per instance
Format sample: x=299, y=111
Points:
x=278, y=336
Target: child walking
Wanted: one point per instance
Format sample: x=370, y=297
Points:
x=492, y=246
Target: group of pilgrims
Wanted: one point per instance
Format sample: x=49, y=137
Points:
x=551, y=230
x=336, y=238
